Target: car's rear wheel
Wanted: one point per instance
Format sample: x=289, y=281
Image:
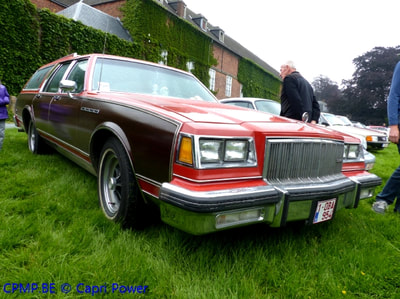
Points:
x=119, y=195
x=35, y=143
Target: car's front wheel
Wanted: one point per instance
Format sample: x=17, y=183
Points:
x=119, y=195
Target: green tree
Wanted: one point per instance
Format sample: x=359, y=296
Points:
x=327, y=91
x=366, y=93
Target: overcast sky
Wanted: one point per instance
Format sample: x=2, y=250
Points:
x=322, y=37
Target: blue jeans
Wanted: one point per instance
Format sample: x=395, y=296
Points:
x=2, y=131
x=391, y=191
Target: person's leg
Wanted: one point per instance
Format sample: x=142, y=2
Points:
x=2, y=131
x=388, y=195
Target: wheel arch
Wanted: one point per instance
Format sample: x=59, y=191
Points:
x=27, y=116
x=99, y=137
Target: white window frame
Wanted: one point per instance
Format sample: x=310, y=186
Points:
x=190, y=66
x=228, y=86
x=164, y=57
x=212, y=74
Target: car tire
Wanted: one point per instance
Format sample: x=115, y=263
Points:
x=119, y=194
x=36, y=143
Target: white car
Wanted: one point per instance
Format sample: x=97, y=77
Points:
x=264, y=105
x=375, y=139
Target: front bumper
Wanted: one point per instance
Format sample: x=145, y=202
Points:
x=377, y=144
x=209, y=211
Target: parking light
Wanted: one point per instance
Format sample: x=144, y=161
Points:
x=186, y=151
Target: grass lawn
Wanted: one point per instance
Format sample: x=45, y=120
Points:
x=55, y=239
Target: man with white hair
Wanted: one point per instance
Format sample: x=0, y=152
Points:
x=297, y=97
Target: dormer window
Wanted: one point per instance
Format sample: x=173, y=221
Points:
x=203, y=24
x=218, y=33
x=201, y=21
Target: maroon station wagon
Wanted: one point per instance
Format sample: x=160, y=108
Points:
x=156, y=137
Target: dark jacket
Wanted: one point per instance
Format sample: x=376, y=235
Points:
x=298, y=97
x=4, y=100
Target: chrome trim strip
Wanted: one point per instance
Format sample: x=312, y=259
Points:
x=147, y=180
x=218, y=180
x=65, y=144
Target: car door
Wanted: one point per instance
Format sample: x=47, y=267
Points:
x=42, y=100
x=64, y=111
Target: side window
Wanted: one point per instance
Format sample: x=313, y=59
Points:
x=54, y=82
x=37, y=79
x=78, y=75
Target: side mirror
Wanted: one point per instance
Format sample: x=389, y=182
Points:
x=69, y=86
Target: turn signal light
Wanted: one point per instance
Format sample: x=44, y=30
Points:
x=186, y=151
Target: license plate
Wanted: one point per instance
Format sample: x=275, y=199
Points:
x=325, y=210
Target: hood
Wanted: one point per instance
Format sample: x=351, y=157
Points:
x=198, y=111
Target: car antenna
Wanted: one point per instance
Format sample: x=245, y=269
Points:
x=105, y=37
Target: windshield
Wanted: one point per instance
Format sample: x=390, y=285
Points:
x=333, y=120
x=268, y=106
x=345, y=120
x=111, y=75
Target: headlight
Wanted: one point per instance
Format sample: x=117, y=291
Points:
x=226, y=152
x=352, y=152
x=210, y=152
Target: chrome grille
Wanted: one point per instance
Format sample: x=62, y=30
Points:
x=302, y=160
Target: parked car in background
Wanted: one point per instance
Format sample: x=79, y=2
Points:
x=155, y=136
x=264, y=105
x=379, y=128
x=375, y=139
x=359, y=125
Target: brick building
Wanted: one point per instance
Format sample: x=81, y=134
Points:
x=228, y=52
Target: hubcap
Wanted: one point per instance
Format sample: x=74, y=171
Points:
x=112, y=186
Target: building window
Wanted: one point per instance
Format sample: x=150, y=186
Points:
x=190, y=66
x=212, y=74
x=228, y=86
x=203, y=24
x=164, y=57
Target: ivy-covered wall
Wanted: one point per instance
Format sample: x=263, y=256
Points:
x=19, y=43
x=157, y=30
x=257, y=82
x=30, y=38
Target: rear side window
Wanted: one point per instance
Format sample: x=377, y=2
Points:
x=37, y=78
x=54, y=83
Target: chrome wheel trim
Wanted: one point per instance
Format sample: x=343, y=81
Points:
x=32, y=137
x=111, y=183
